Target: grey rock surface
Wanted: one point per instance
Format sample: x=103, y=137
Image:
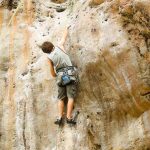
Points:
x=109, y=42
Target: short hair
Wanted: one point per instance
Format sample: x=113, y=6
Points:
x=47, y=47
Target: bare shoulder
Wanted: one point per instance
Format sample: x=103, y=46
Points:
x=50, y=62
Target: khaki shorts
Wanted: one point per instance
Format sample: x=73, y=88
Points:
x=68, y=91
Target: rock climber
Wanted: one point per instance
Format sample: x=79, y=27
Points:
x=66, y=76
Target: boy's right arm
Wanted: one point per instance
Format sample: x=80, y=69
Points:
x=52, y=71
x=63, y=39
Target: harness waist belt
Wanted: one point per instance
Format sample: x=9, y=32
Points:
x=66, y=69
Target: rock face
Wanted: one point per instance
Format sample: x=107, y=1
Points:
x=109, y=41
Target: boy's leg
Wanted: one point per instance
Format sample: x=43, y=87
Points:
x=71, y=93
x=70, y=108
x=61, y=96
x=61, y=108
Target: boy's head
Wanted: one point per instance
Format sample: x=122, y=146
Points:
x=47, y=47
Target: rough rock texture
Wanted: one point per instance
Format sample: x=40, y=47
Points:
x=109, y=41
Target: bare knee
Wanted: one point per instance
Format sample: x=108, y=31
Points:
x=70, y=99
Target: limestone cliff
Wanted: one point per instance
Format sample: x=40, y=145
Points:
x=109, y=41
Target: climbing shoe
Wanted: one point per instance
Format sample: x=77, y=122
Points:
x=71, y=121
x=59, y=121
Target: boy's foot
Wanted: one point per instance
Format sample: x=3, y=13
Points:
x=71, y=121
x=59, y=121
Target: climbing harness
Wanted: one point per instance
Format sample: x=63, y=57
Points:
x=66, y=75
